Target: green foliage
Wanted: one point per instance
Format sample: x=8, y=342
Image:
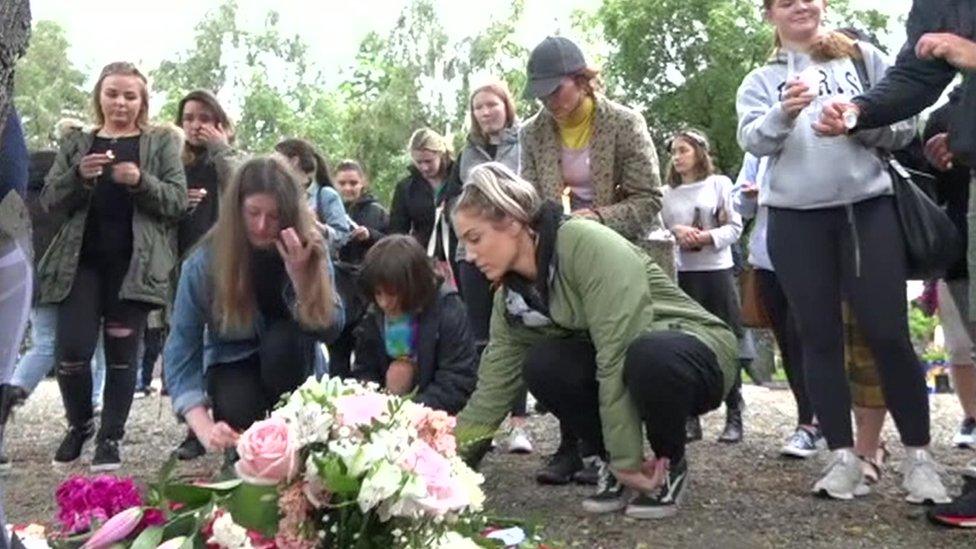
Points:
x=921, y=327
x=47, y=86
x=682, y=61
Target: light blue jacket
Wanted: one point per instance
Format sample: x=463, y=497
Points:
x=330, y=211
x=753, y=171
x=194, y=344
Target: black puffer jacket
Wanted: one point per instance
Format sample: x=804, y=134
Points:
x=414, y=205
x=446, y=357
x=365, y=212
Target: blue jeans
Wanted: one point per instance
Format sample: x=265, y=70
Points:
x=38, y=362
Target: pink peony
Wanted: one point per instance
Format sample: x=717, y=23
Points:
x=82, y=500
x=355, y=410
x=268, y=452
x=444, y=491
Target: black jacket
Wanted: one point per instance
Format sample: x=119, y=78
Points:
x=446, y=357
x=366, y=212
x=413, y=208
x=951, y=188
x=913, y=84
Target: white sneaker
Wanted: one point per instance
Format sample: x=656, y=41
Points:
x=519, y=442
x=843, y=478
x=921, y=478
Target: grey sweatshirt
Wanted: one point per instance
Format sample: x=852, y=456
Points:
x=807, y=171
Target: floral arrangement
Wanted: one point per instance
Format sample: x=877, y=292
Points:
x=338, y=464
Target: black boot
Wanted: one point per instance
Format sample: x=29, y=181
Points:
x=191, y=448
x=734, y=404
x=693, y=429
x=561, y=466
x=10, y=396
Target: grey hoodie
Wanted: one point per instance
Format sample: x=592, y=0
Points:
x=807, y=171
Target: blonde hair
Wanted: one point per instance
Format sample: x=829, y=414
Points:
x=499, y=89
x=234, y=303
x=495, y=192
x=426, y=139
x=121, y=68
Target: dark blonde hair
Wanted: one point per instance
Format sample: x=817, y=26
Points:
x=704, y=166
x=494, y=192
x=426, y=139
x=499, y=89
x=589, y=80
x=234, y=303
x=831, y=45
x=121, y=68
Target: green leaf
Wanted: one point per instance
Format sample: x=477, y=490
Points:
x=255, y=507
x=335, y=477
x=149, y=538
x=183, y=526
x=191, y=495
x=224, y=486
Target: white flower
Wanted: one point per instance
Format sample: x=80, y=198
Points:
x=470, y=481
x=382, y=483
x=228, y=534
x=454, y=540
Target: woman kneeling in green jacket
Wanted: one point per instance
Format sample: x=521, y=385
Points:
x=598, y=333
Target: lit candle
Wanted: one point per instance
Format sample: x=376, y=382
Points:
x=567, y=203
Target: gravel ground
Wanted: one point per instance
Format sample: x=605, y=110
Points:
x=739, y=496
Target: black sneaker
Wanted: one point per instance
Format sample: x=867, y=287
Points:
x=589, y=475
x=966, y=437
x=610, y=496
x=70, y=448
x=10, y=396
x=693, y=429
x=663, y=503
x=191, y=448
x=960, y=513
x=107, y=455
x=560, y=467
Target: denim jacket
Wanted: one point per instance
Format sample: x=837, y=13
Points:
x=330, y=211
x=194, y=344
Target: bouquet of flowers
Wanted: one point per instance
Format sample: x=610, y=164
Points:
x=338, y=464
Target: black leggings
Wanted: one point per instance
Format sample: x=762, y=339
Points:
x=717, y=293
x=670, y=376
x=244, y=391
x=476, y=291
x=816, y=262
x=94, y=304
x=788, y=340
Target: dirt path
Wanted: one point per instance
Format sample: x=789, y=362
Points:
x=739, y=496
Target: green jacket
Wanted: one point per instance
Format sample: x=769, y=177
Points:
x=609, y=291
x=160, y=202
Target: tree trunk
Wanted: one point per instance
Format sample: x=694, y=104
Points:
x=15, y=28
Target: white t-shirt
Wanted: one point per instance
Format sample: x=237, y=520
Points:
x=704, y=204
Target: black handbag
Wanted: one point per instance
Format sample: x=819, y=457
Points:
x=931, y=240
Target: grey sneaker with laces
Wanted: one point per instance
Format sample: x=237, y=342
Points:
x=843, y=478
x=921, y=478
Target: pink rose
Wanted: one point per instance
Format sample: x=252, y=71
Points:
x=268, y=452
x=355, y=410
x=444, y=493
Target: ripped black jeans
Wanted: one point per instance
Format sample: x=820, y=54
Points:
x=94, y=304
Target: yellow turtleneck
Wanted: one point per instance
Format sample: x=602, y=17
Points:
x=577, y=129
